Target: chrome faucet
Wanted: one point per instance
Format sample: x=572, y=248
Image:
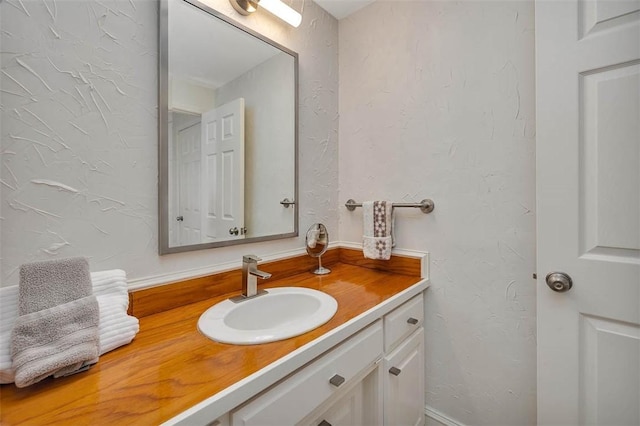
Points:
x=250, y=275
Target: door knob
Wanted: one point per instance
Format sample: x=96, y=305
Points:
x=180, y=218
x=559, y=281
x=233, y=231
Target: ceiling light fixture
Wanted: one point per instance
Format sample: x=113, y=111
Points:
x=275, y=7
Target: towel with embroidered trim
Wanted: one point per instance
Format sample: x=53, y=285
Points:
x=377, y=240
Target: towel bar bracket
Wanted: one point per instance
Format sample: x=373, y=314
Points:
x=286, y=203
x=351, y=204
x=426, y=206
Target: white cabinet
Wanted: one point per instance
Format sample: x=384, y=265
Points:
x=402, y=322
x=347, y=410
x=404, y=390
x=360, y=404
x=296, y=397
x=374, y=377
x=404, y=396
x=221, y=421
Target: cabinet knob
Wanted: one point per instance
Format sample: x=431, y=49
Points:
x=413, y=321
x=324, y=423
x=395, y=371
x=336, y=380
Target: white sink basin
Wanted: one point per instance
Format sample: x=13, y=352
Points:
x=281, y=313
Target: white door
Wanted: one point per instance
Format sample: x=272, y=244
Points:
x=588, y=209
x=189, y=202
x=223, y=172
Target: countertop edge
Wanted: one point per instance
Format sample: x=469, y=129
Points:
x=243, y=390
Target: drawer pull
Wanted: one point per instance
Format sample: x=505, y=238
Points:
x=412, y=321
x=395, y=371
x=324, y=423
x=336, y=380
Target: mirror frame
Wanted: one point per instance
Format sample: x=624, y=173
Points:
x=163, y=133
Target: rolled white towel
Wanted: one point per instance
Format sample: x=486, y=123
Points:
x=8, y=315
x=115, y=327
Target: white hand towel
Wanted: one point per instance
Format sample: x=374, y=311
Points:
x=56, y=332
x=377, y=240
x=115, y=328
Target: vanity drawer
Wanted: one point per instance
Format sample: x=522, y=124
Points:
x=292, y=399
x=403, y=321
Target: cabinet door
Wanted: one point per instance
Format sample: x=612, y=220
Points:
x=404, y=399
x=359, y=404
x=347, y=411
x=220, y=421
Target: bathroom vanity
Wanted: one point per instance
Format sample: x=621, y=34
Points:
x=366, y=365
x=374, y=377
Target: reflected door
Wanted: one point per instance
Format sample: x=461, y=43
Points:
x=588, y=189
x=189, y=188
x=222, y=161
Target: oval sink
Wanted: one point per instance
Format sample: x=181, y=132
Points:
x=281, y=313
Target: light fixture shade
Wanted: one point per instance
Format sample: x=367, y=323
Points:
x=276, y=7
x=282, y=11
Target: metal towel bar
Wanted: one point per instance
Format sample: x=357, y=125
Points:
x=426, y=205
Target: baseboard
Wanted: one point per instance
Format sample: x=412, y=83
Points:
x=436, y=418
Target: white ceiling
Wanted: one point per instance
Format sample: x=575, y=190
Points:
x=342, y=8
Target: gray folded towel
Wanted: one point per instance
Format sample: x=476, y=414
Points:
x=56, y=332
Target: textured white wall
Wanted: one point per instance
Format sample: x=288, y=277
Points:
x=79, y=133
x=438, y=104
x=185, y=95
x=437, y=101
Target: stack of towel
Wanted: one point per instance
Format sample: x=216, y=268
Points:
x=378, y=229
x=72, y=321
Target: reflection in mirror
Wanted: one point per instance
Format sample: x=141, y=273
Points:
x=317, y=242
x=228, y=132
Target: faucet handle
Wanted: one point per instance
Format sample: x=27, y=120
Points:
x=250, y=258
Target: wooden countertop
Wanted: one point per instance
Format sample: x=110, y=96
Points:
x=170, y=366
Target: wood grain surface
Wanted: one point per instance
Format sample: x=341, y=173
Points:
x=404, y=265
x=163, y=298
x=170, y=366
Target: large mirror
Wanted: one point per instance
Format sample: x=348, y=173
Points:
x=227, y=132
